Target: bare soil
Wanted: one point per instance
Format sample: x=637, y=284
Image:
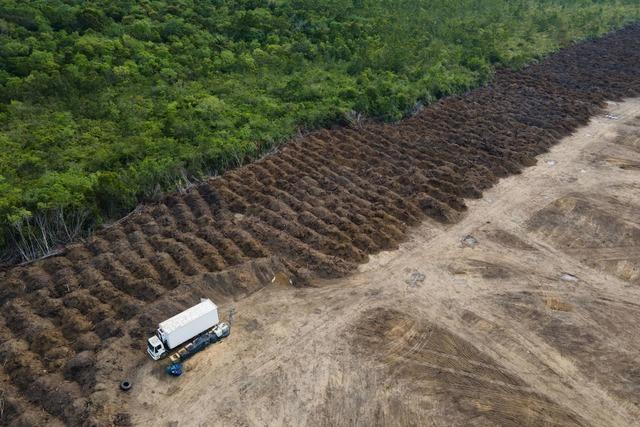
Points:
x=524, y=312
x=513, y=342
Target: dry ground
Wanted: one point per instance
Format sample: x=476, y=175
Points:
x=433, y=331
x=532, y=323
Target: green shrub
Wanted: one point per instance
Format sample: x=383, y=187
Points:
x=104, y=103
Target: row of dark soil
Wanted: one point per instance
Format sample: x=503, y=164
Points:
x=72, y=323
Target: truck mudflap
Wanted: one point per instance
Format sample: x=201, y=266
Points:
x=210, y=337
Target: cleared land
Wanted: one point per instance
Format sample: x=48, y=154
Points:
x=522, y=313
x=489, y=333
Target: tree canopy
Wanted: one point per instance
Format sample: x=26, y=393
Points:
x=104, y=103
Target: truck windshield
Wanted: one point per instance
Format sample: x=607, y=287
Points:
x=151, y=348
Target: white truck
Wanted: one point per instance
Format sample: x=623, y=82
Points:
x=200, y=322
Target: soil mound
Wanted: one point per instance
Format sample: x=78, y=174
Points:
x=318, y=207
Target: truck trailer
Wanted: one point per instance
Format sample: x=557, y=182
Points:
x=200, y=319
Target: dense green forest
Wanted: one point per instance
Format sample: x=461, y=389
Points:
x=104, y=103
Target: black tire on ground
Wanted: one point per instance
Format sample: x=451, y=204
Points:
x=125, y=385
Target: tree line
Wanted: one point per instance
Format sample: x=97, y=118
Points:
x=105, y=103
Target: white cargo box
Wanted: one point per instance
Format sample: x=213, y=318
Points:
x=186, y=325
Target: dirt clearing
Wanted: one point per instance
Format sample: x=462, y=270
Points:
x=74, y=325
x=533, y=324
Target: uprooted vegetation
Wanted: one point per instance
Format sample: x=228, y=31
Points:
x=318, y=207
x=107, y=103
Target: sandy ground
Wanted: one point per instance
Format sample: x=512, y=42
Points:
x=530, y=321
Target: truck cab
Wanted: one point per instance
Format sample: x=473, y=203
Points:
x=155, y=348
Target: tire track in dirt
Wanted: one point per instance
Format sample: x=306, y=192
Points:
x=318, y=207
x=454, y=374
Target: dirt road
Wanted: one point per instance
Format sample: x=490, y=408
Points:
x=525, y=312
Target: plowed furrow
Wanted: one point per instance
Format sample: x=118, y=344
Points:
x=320, y=205
x=245, y=241
x=181, y=211
x=92, y=279
x=69, y=322
x=182, y=256
x=365, y=200
x=42, y=337
x=50, y=391
x=411, y=158
x=298, y=251
x=197, y=204
x=277, y=214
x=90, y=306
x=211, y=232
x=206, y=253
x=18, y=410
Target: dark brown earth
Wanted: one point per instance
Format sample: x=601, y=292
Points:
x=73, y=325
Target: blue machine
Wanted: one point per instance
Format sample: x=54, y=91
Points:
x=174, y=369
